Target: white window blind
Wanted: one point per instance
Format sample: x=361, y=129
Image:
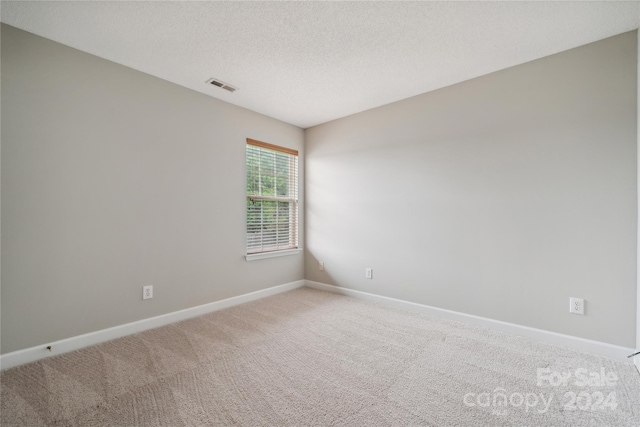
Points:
x=272, y=197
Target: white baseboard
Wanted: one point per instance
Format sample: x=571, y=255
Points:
x=582, y=344
x=32, y=354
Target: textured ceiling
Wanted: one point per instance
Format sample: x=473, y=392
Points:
x=310, y=62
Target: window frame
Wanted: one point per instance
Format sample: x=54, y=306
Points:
x=292, y=198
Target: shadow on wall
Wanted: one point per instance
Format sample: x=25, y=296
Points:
x=313, y=263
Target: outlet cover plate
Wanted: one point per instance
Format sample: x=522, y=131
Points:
x=368, y=273
x=147, y=292
x=576, y=305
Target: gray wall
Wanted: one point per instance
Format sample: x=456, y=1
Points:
x=500, y=197
x=111, y=180
x=637, y=358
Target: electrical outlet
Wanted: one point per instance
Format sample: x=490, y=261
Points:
x=147, y=292
x=576, y=305
x=321, y=265
x=368, y=273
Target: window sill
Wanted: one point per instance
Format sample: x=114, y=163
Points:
x=263, y=255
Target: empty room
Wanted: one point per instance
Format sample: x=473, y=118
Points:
x=319, y=213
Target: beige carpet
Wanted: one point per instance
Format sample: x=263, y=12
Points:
x=307, y=357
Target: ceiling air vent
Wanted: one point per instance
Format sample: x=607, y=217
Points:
x=221, y=84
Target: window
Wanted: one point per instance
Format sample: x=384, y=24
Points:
x=272, y=198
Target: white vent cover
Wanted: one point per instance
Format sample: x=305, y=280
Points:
x=221, y=84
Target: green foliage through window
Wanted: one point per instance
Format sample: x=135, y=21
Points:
x=272, y=199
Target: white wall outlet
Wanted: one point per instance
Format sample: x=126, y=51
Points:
x=147, y=292
x=576, y=305
x=368, y=273
x=321, y=265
